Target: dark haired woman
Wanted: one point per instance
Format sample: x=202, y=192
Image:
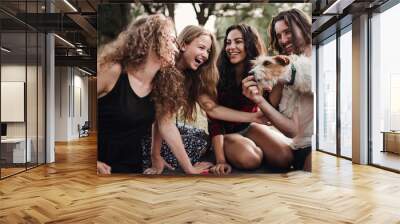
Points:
x=239, y=144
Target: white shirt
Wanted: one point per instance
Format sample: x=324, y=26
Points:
x=305, y=115
x=300, y=105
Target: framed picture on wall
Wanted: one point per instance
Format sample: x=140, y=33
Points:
x=12, y=101
x=191, y=88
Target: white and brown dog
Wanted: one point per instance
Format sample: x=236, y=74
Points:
x=294, y=71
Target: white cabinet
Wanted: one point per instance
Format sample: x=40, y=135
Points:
x=15, y=148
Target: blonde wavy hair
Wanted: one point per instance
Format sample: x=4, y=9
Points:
x=132, y=47
x=202, y=81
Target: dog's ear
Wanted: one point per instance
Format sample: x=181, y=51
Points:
x=282, y=60
x=266, y=63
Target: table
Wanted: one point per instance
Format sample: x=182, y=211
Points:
x=13, y=150
x=391, y=141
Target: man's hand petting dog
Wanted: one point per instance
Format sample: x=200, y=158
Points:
x=251, y=91
x=157, y=166
x=221, y=169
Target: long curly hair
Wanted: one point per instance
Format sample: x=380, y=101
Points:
x=202, y=81
x=291, y=17
x=253, y=45
x=131, y=48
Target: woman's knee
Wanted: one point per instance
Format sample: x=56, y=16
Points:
x=249, y=159
x=242, y=152
x=232, y=139
x=282, y=160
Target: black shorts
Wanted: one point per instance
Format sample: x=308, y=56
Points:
x=299, y=157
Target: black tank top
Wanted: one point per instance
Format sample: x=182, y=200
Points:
x=124, y=119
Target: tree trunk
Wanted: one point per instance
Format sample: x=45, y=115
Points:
x=203, y=12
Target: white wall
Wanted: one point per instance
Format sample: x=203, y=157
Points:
x=16, y=72
x=80, y=83
x=12, y=73
x=33, y=127
x=70, y=84
x=61, y=103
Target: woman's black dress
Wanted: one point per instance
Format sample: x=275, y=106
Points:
x=124, y=119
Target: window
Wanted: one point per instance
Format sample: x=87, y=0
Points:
x=385, y=87
x=22, y=66
x=327, y=96
x=346, y=95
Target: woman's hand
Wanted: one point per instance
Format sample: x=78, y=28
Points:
x=221, y=169
x=157, y=165
x=199, y=168
x=103, y=168
x=260, y=118
x=250, y=90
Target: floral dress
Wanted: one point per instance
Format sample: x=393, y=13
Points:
x=195, y=140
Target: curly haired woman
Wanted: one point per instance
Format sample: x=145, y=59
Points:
x=136, y=85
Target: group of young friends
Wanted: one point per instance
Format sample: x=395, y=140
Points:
x=148, y=76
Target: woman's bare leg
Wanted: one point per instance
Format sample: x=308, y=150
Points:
x=241, y=152
x=277, y=153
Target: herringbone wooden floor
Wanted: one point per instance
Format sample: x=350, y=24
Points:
x=69, y=191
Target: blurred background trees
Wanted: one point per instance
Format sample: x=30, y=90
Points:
x=113, y=18
x=258, y=15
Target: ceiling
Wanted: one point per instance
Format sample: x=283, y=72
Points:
x=330, y=15
x=76, y=22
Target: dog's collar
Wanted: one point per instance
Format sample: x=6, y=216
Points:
x=293, y=76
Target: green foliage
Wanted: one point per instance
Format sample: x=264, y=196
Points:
x=113, y=18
